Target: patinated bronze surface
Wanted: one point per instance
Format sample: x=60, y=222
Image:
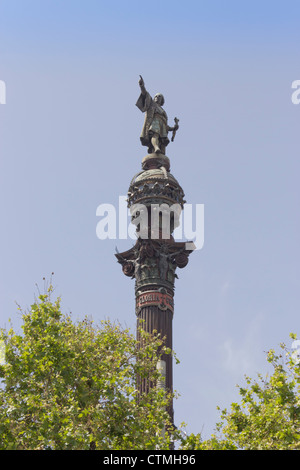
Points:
x=155, y=130
x=155, y=258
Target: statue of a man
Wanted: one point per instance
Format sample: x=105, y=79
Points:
x=155, y=129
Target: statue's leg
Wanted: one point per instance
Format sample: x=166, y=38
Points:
x=163, y=148
x=155, y=142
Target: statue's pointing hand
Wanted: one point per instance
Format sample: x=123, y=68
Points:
x=142, y=85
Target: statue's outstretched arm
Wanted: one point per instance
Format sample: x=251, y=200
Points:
x=142, y=85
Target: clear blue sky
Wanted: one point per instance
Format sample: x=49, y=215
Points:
x=69, y=141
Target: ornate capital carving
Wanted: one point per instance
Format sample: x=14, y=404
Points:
x=154, y=262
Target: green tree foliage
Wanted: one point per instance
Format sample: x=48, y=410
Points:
x=69, y=385
x=268, y=415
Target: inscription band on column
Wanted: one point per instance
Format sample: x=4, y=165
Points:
x=164, y=301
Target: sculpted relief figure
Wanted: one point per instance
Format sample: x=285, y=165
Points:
x=155, y=130
x=166, y=260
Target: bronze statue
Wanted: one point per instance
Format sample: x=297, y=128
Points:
x=155, y=129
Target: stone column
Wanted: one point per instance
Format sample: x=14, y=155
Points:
x=155, y=199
